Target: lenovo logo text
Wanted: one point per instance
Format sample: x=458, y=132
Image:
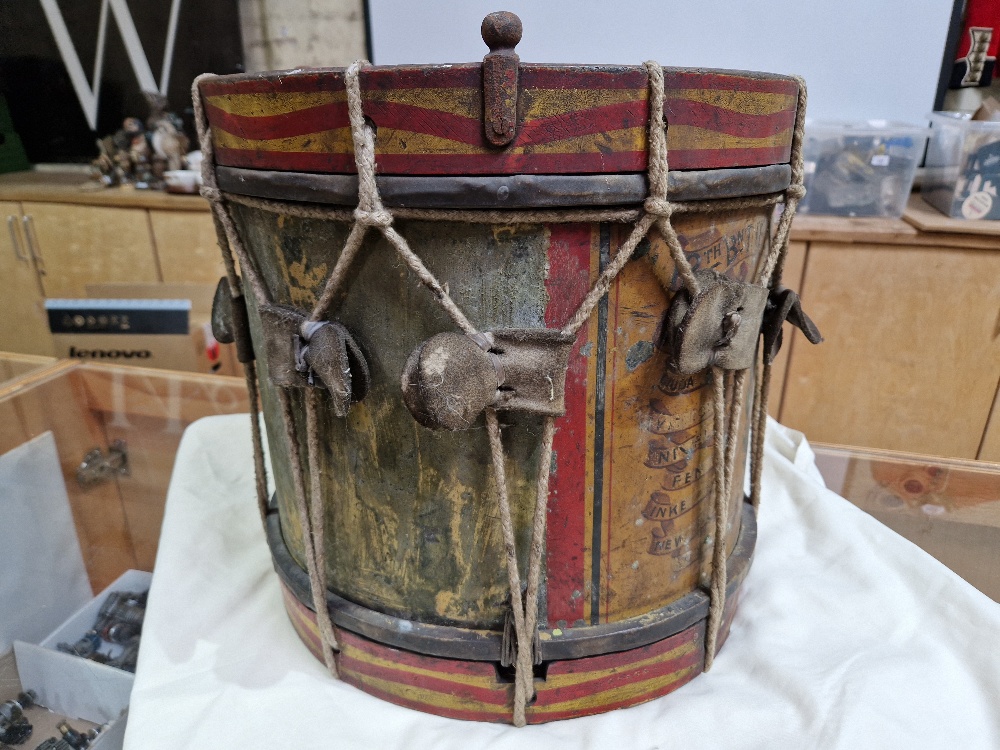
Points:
x=109, y=353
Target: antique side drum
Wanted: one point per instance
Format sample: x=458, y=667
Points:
x=506, y=362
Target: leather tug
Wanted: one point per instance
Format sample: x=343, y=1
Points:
x=784, y=304
x=452, y=378
x=230, y=324
x=303, y=353
x=718, y=327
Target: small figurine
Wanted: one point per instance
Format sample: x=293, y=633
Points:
x=170, y=143
x=140, y=153
x=167, y=131
x=14, y=727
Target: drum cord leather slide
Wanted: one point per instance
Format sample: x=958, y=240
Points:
x=746, y=311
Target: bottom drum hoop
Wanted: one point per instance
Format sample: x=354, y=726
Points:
x=471, y=644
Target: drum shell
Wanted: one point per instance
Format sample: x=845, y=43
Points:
x=411, y=521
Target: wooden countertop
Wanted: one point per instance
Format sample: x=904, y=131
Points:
x=921, y=224
x=73, y=186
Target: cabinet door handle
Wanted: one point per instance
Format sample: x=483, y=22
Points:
x=15, y=240
x=29, y=236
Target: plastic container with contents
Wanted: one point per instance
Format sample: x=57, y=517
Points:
x=862, y=168
x=963, y=166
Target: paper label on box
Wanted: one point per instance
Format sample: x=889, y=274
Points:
x=977, y=205
x=880, y=160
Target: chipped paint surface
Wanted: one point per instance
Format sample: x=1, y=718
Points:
x=411, y=518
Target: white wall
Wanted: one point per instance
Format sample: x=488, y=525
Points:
x=285, y=34
x=862, y=59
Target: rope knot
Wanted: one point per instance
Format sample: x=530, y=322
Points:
x=658, y=207
x=795, y=191
x=378, y=217
x=210, y=193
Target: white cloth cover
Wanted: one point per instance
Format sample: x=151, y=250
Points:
x=847, y=636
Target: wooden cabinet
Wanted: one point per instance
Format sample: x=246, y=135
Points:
x=911, y=360
x=186, y=246
x=62, y=235
x=990, y=449
x=80, y=245
x=24, y=327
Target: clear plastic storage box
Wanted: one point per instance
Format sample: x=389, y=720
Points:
x=963, y=166
x=862, y=168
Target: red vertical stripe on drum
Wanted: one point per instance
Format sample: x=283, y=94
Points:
x=567, y=284
x=610, y=390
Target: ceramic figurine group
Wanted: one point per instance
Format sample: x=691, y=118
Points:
x=140, y=154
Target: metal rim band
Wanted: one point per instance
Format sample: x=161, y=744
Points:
x=500, y=192
x=471, y=644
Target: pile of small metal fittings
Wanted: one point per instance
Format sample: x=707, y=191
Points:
x=14, y=726
x=15, y=729
x=119, y=622
x=71, y=739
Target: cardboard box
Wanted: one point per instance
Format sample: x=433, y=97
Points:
x=151, y=333
x=210, y=357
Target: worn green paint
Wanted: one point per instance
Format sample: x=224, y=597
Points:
x=411, y=516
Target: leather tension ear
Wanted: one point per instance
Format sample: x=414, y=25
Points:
x=784, y=304
x=303, y=353
x=229, y=321
x=718, y=327
x=448, y=381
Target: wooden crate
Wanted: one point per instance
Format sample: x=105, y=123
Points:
x=88, y=406
x=15, y=366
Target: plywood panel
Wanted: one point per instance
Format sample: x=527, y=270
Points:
x=912, y=355
x=14, y=365
x=792, y=278
x=924, y=216
x=888, y=231
x=12, y=430
x=24, y=326
x=186, y=246
x=152, y=444
x=83, y=245
x=121, y=393
x=72, y=186
x=949, y=508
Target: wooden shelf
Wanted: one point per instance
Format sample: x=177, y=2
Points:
x=934, y=229
x=924, y=216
